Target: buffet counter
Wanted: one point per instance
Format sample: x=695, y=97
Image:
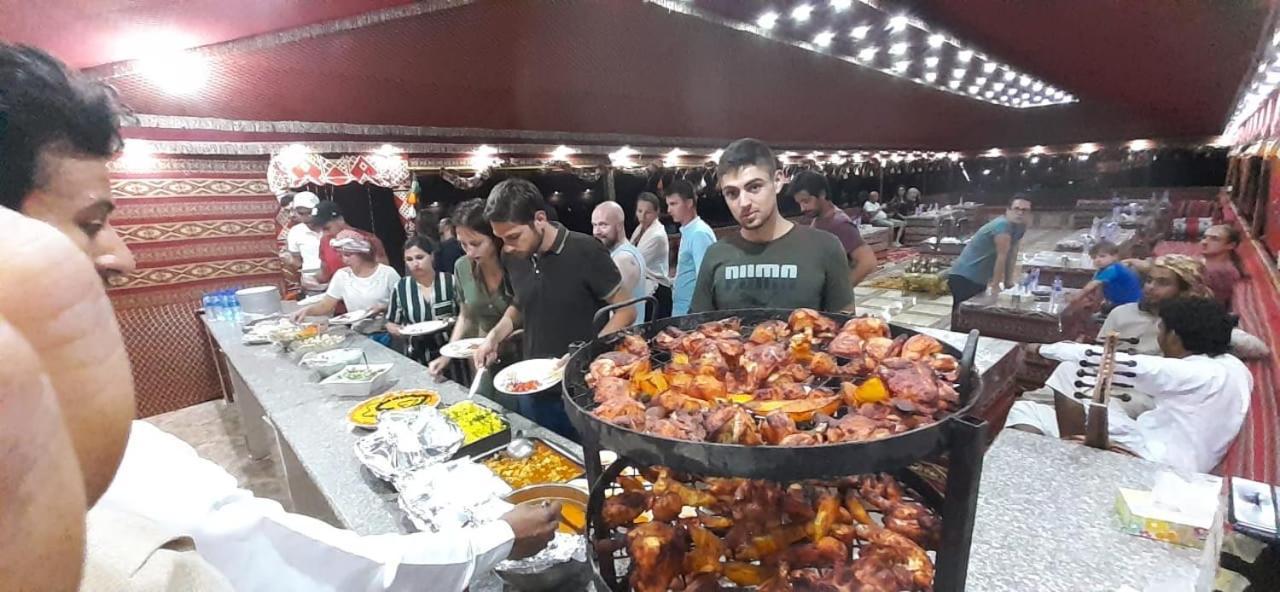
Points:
x=285, y=411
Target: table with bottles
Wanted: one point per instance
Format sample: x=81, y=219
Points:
x=1074, y=269
x=1023, y=317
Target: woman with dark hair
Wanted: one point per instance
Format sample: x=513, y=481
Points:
x=422, y=295
x=1222, y=265
x=481, y=300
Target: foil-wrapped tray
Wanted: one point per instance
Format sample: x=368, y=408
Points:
x=407, y=441
x=453, y=495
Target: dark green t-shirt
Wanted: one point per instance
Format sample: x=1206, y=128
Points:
x=806, y=268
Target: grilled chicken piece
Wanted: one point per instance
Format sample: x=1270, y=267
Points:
x=673, y=401
x=944, y=363
x=780, y=582
x=730, y=328
x=668, y=338
x=635, y=345
x=810, y=321
x=707, y=388
x=623, y=509
x=912, y=381
x=612, y=387
x=706, y=582
x=770, y=332
x=767, y=546
x=828, y=551
x=616, y=363
x=622, y=411
x=823, y=364
x=666, y=507
x=866, y=327
x=777, y=425
x=738, y=428
x=887, y=546
x=827, y=511
x=882, y=491
x=759, y=362
x=853, y=427
x=877, y=348
x=801, y=439
x=915, y=522
x=847, y=344
x=704, y=557
x=920, y=347
x=677, y=426
x=657, y=556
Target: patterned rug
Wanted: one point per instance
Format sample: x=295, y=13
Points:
x=1253, y=456
x=899, y=254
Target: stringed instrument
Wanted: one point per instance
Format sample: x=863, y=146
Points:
x=1095, y=397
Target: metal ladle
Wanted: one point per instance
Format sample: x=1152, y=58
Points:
x=520, y=447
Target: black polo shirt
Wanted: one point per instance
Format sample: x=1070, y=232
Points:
x=559, y=291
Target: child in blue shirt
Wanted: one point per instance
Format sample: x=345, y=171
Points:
x=1119, y=283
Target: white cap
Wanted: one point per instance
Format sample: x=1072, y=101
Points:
x=305, y=199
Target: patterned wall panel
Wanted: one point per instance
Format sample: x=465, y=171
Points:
x=194, y=227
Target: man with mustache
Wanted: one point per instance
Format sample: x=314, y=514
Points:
x=771, y=262
x=65, y=358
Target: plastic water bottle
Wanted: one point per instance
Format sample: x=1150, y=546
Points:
x=233, y=305
x=1057, y=289
x=1035, y=278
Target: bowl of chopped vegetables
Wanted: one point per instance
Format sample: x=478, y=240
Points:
x=359, y=380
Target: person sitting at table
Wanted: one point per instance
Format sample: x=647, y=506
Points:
x=559, y=279
x=420, y=296
x=1167, y=277
x=63, y=131
x=988, y=259
x=770, y=262
x=897, y=205
x=1118, y=283
x=362, y=284
x=811, y=190
x=1222, y=266
x=1201, y=392
x=875, y=214
x=479, y=276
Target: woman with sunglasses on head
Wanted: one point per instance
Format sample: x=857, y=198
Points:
x=481, y=297
x=362, y=284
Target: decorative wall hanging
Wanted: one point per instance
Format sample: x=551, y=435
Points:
x=296, y=166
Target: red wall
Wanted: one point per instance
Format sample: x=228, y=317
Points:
x=194, y=226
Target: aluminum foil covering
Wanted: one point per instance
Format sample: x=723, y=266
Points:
x=453, y=495
x=406, y=441
x=563, y=547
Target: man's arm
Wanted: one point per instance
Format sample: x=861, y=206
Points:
x=1155, y=375
x=864, y=262
x=999, y=274
x=257, y=545
x=623, y=317
x=837, y=291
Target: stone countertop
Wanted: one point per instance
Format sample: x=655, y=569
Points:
x=1046, y=522
x=314, y=424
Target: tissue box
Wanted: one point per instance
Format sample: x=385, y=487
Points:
x=1186, y=521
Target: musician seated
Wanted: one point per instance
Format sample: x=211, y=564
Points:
x=1166, y=278
x=1201, y=392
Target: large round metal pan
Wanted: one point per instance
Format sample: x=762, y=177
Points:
x=783, y=463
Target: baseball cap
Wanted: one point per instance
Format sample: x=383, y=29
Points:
x=325, y=211
x=305, y=199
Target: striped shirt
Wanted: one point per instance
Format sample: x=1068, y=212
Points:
x=411, y=304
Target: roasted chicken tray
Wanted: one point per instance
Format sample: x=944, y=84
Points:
x=805, y=381
x=664, y=531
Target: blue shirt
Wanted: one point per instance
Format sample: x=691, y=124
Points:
x=695, y=238
x=977, y=263
x=1120, y=284
x=638, y=290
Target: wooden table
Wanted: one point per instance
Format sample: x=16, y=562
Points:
x=1026, y=320
x=1075, y=269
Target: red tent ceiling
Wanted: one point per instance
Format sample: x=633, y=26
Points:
x=1140, y=69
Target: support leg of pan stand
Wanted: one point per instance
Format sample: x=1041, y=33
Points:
x=961, y=505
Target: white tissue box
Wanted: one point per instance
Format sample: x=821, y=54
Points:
x=1174, y=511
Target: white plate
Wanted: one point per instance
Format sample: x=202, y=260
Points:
x=462, y=348
x=545, y=371
x=424, y=328
x=354, y=316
